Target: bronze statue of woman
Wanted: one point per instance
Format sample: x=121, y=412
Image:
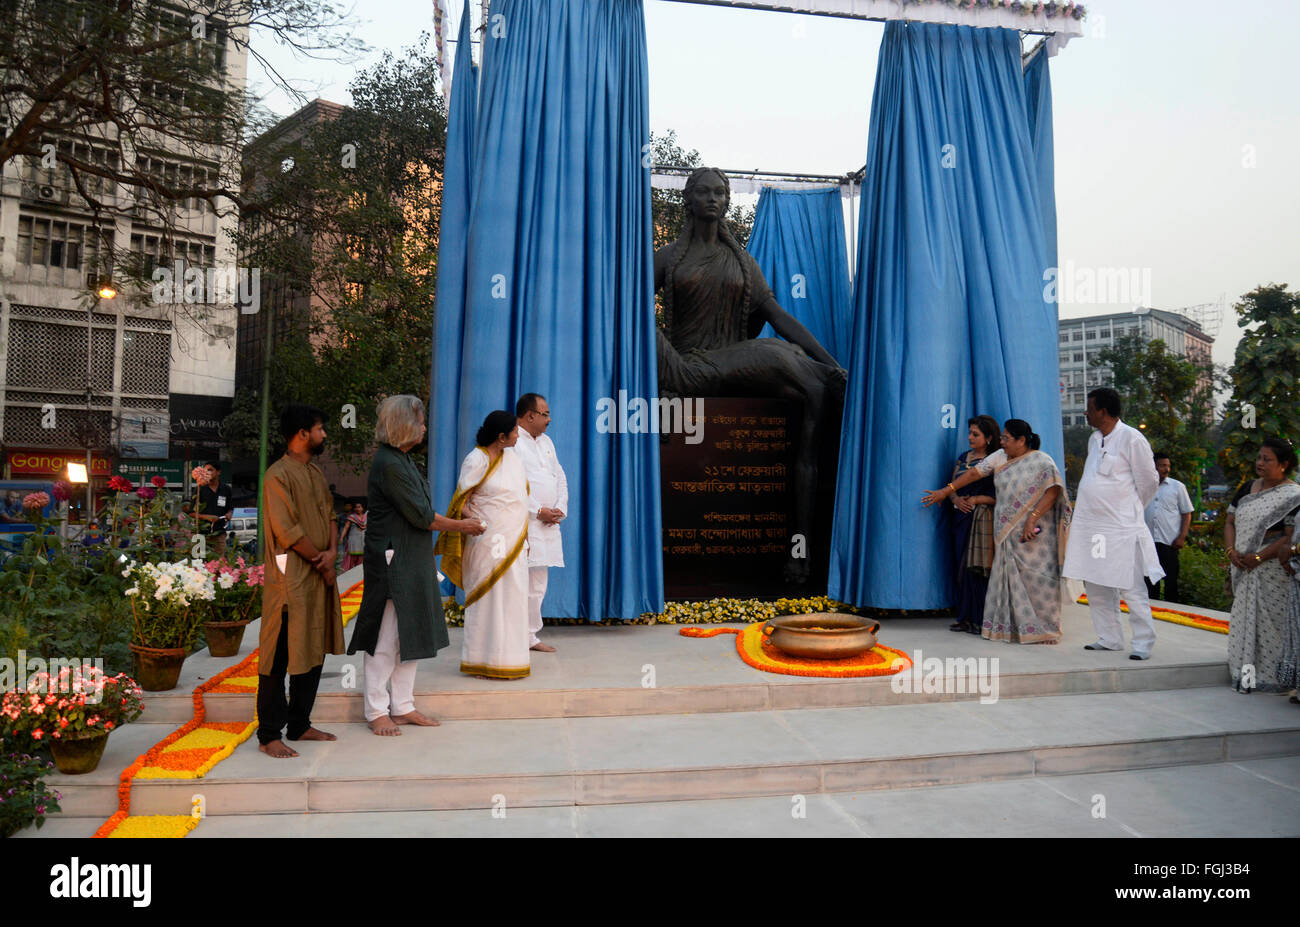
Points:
x=715, y=302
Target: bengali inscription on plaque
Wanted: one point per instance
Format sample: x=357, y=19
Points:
x=726, y=500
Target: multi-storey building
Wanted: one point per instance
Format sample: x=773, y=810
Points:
x=142, y=384
x=1080, y=340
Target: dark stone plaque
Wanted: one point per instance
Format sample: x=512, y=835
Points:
x=727, y=503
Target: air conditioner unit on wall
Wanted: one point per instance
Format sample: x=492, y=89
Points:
x=46, y=192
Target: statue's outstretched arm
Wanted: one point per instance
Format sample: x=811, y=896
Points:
x=792, y=330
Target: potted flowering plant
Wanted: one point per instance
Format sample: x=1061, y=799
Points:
x=238, y=600
x=74, y=712
x=169, y=603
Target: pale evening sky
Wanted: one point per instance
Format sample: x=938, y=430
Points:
x=1177, y=124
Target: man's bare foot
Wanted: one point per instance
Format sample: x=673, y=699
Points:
x=277, y=749
x=313, y=734
x=544, y=648
x=384, y=726
x=414, y=717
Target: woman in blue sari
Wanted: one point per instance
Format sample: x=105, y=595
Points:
x=972, y=526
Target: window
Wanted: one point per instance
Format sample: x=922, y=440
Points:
x=1077, y=336
x=1065, y=336
x=1092, y=334
x=1078, y=358
x=56, y=243
x=155, y=251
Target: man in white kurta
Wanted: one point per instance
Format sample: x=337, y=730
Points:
x=548, y=501
x=1110, y=548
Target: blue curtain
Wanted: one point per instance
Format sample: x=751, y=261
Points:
x=949, y=311
x=1038, y=100
x=449, y=304
x=798, y=242
x=558, y=295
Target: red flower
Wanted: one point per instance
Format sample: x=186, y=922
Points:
x=120, y=484
x=158, y=481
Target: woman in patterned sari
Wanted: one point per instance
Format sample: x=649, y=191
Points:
x=1031, y=523
x=1256, y=534
x=972, y=526
x=493, y=567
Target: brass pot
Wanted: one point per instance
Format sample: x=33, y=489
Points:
x=824, y=636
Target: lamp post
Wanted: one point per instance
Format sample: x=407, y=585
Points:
x=105, y=290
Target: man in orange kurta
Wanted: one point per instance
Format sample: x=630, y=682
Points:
x=302, y=618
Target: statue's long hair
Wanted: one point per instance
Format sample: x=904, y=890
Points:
x=724, y=235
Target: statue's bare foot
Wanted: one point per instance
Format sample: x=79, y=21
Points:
x=414, y=717
x=313, y=734
x=277, y=749
x=796, y=571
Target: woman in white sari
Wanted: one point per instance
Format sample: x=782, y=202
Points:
x=1257, y=534
x=493, y=567
x=1031, y=523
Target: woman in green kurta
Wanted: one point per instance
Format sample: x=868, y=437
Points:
x=400, y=621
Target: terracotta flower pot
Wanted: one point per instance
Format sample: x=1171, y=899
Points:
x=78, y=754
x=224, y=637
x=158, y=668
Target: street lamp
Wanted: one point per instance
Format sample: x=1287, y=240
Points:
x=104, y=290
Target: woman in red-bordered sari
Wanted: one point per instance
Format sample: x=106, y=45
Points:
x=493, y=567
x=1031, y=523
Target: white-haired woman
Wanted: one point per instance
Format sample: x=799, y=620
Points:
x=400, y=621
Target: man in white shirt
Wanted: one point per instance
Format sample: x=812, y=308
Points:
x=1169, y=518
x=548, y=500
x=1110, y=548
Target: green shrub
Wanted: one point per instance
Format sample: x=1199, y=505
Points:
x=1202, y=574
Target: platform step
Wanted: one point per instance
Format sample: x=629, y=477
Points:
x=680, y=757
x=789, y=693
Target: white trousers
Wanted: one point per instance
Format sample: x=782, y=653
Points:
x=1103, y=604
x=536, y=592
x=385, y=668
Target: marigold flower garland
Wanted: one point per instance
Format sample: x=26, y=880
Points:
x=1189, y=619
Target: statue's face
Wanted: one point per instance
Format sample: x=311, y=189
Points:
x=708, y=199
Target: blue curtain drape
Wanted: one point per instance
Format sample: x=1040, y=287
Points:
x=1038, y=100
x=558, y=294
x=949, y=312
x=449, y=301
x=798, y=242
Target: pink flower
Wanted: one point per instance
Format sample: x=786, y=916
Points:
x=36, y=500
x=146, y=492
x=62, y=490
x=200, y=476
x=37, y=734
x=158, y=481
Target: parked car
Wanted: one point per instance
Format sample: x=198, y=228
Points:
x=241, y=532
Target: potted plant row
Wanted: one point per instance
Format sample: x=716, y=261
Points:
x=73, y=712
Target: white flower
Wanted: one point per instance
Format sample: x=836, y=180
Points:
x=226, y=580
